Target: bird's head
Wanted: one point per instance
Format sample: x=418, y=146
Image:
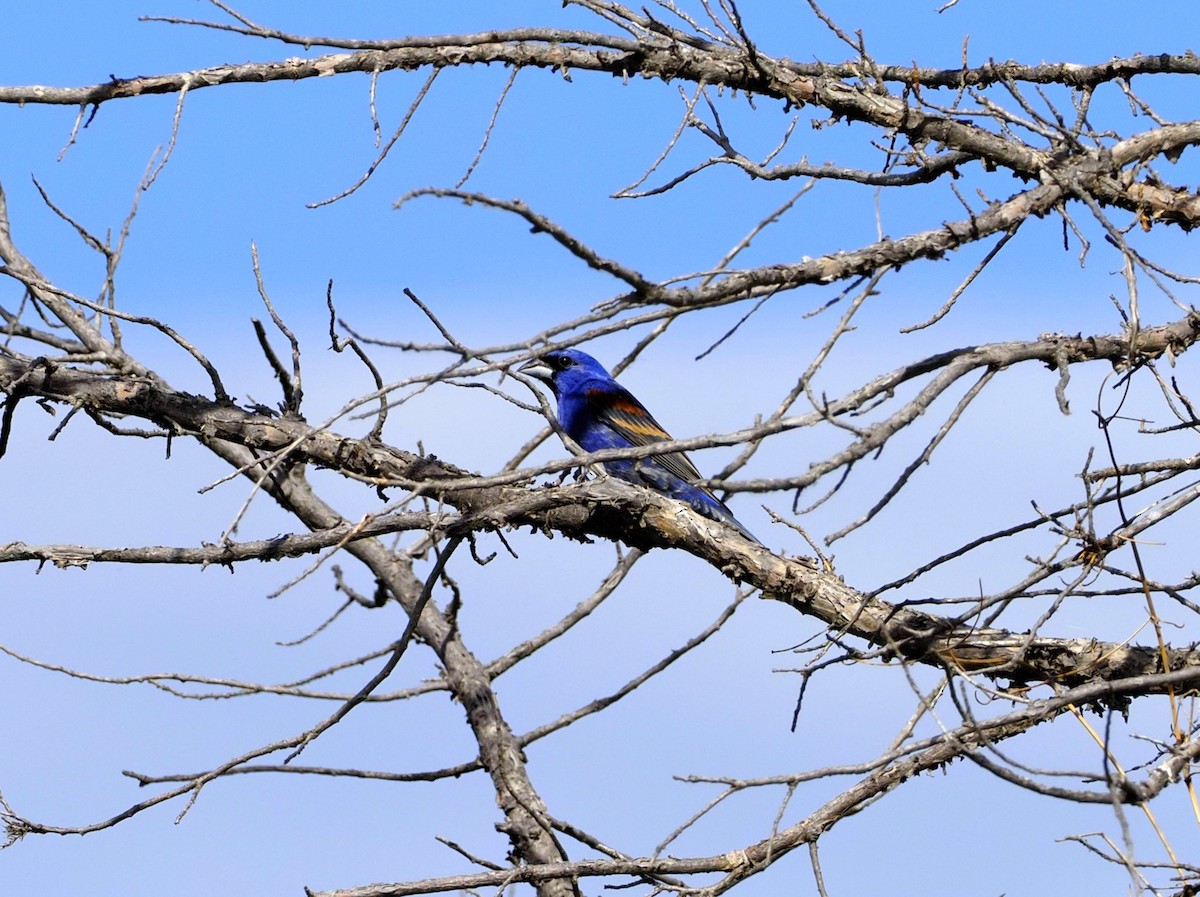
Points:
x=564, y=366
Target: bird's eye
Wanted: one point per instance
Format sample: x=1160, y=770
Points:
x=561, y=362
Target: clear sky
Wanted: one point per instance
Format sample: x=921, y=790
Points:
x=247, y=162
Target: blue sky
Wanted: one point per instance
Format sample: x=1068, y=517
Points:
x=248, y=160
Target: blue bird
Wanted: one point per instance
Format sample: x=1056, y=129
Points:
x=599, y=413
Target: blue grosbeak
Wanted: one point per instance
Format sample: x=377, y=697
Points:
x=599, y=413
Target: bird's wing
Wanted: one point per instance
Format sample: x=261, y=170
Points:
x=627, y=417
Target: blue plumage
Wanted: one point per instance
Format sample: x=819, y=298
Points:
x=599, y=413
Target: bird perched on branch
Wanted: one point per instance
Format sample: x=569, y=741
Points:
x=599, y=413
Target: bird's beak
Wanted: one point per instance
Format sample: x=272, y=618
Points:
x=539, y=369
